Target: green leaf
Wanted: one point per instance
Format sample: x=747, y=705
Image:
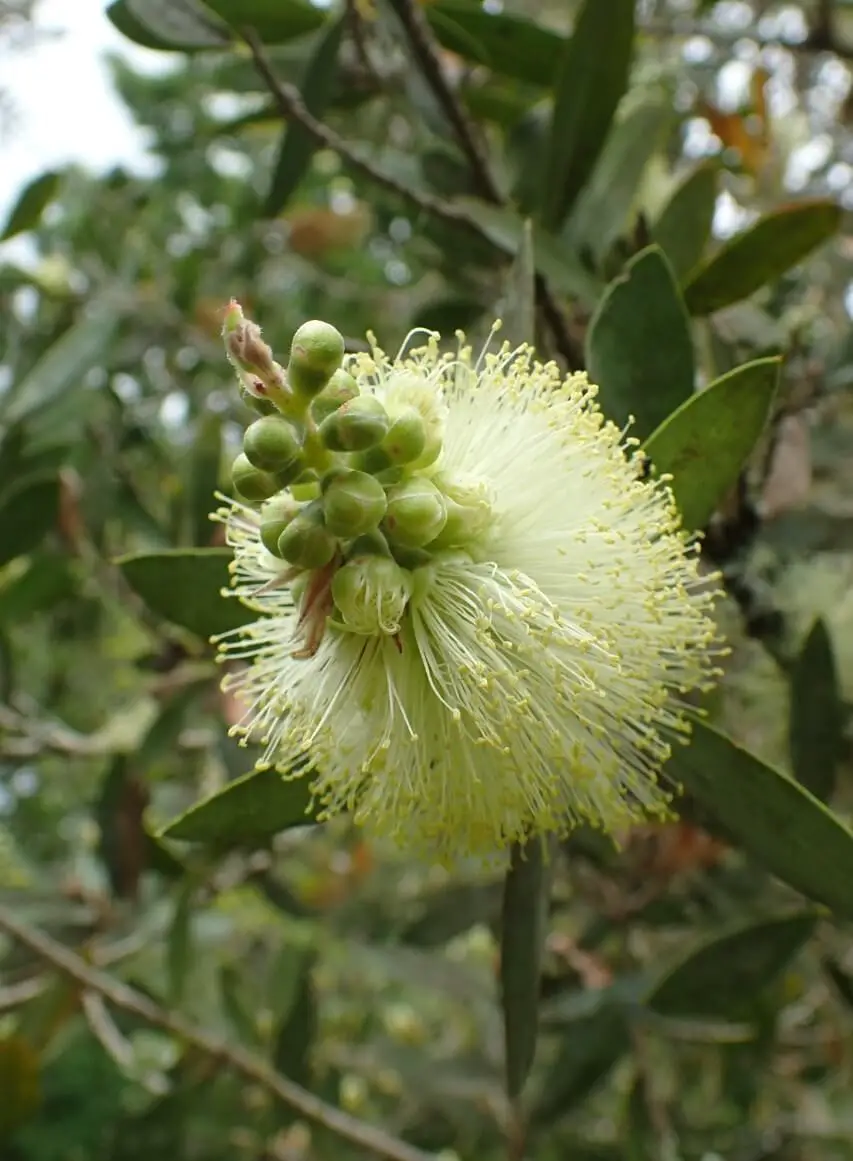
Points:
x=638, y=345
x=683, y=228
x=48, y=579
x=517, y=309
x=524, y=928
x=507, y=44
x=593, y=77
x=595, y=1034
x=816, y=727
x=295, y=1004
x=185, y=586
x=297, y=144
x=247, y=812
x=772, y=817
x=721, y=977
x=27, y=513
x=167, y=25
x=63, y=365
x=275, y=21
x=601, y=213
x=124, y=845
x=705, y=443
x=179, y=943
x=161, y=739
x=642, y=1140
x=553, y=258
x=31, y=204
x=761, y=254
x=203, y=479
x=233, y=992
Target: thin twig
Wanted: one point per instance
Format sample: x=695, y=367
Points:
x=427, y=54
x=292, y=107
x=290, y=104
x=375, y=1141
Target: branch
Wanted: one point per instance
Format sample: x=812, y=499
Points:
x=290, y=104
x=373, y=1140
x=427, y=54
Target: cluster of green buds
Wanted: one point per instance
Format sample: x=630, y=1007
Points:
x=344, y=484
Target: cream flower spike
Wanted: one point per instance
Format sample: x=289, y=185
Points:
x=519, y=672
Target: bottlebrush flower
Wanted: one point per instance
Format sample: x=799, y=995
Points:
x=504, y=652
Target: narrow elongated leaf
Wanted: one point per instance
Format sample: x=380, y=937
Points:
x=554, y=259
x=31, y=204
x=27, y=513
x=506, y=43
x=642, y=1139
x=49, y=579
x=275, y=21
x=295, y=1003
x=234, y=990
x=168, y=25
x=523, y=932
x=179, y=944
x=705, y=443
x=593, y=78
x=248, y=811
x=297, y=144
x=185, y=586
x=162, y=737
x=63, y=365
x=774, y=819
x=816, y=728
x=683, y=229
x=594, y=1037
x=761, y=254
x=721, y=977
x=517, y=310
x=601, y=213
x=638, y=347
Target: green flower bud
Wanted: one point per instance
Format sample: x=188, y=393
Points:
x=270, y=444
x=354, y=503
x=250, y=483
x=338, y=391
x=356, y=426
x=416, y=513
x=406, y=438
x=306, y=542
x=371, y=594
x=276, y=515
x=315, y=353
x=469, y=510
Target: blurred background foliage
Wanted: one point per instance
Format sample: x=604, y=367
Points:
x=691, y=1004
